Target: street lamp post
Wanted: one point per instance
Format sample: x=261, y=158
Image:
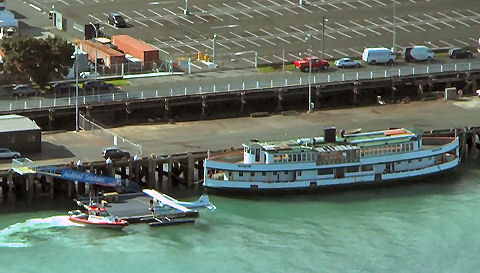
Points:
x=394, y=26
x=213, y=48
x=323, y=36
x=76, y=89
x=309, y=37
x=96, y=47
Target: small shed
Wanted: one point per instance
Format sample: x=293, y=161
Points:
x=20, y=133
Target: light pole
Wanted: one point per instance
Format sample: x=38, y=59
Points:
x=394, y=26
x=76, y=89
x=96, y=46
x=323, y=36
x=213, y=48
x=309, y=37
x=186, y=11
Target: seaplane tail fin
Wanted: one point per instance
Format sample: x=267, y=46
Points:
x=204, y=201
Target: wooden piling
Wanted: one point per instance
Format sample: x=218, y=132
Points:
x=29, y=187
x=170, y=166
x=151, y=174
x=50, y=186
x=190, y=169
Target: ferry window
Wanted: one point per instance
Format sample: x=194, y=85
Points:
x=295, y=157
x=290, y=158
x=274, y=173
x=352, y=169
x=304, y=157
x=252, y=173
x=285, y=158
x=409, y=161
x=367, y=168
x=419, y=160
x=285, y=172
x=429, y=158
x=240, y=174
x=264, y=173
x=411, y=146
x=299, y=173
x=324, y=171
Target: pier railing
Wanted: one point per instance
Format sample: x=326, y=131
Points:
x=262, y=82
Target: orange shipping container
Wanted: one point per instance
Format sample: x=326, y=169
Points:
x=109, y=55
x=138, y=49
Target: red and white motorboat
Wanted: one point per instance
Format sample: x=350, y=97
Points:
x=97, y=217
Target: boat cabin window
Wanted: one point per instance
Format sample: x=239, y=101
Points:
x=264, y=173
x=324, y=171
x=286, y=172
x=252, y=173
x=299, y=173
x=367, y=168
x=240, y=173
x=352, y=169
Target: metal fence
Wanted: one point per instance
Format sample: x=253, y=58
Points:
x=103, y=133
x=267, y=80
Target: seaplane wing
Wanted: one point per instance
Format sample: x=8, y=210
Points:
x=162, y=199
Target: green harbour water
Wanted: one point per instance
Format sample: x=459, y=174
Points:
x=430, y=225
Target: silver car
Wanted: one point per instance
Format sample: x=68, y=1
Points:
x=7, y=153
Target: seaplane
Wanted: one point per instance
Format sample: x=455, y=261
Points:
x=169, y=211
x=96, y=216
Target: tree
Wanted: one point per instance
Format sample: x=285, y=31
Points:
x=36, y=60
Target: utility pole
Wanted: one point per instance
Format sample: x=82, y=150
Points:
x=76, y=89
x=323, y=36
x=96, y=47
x=213, y=48
x=394, y=26
x=309, y=37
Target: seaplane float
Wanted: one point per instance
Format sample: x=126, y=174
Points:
x=165, y=211
x=96, y=216
x=169, y=211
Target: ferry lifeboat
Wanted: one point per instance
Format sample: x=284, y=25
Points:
x=97, y=217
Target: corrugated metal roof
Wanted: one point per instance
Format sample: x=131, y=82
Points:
x=11, y=123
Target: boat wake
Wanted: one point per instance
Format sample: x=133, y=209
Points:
x=17, y=235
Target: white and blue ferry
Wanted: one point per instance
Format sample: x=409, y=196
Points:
x=307, y=164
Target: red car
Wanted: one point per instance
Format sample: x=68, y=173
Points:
x=317, y=64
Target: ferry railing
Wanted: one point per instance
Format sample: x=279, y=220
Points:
x=214, y=86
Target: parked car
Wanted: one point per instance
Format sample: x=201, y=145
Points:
x=62, y=88
x=317, y=64
x=347, y=62
x=25, y=90
x=114, y=153
x=7, y=153
x=456, y=53
x=378, y=55
x=116, y=19
x=98, y=85
x=418, y=53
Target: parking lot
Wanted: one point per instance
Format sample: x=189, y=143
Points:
x=278, y=29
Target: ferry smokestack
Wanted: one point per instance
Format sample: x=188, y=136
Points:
x=330, y=134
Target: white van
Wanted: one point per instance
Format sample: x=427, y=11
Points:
x=418, y=53
x=378, y=55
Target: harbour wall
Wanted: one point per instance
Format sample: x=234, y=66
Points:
x=257, y=102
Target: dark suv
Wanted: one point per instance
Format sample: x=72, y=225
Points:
x=114, y=153
x=117, y=20
x=25, y=90
x=457, y=53
x=62, y=88
x=98, y=85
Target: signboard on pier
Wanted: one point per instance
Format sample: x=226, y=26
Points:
x=89, y=178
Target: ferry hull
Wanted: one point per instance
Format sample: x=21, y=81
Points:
x=446, y=170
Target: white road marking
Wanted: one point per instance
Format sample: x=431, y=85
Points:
x=350, y=5
x=448, y=44
x=79, y=1
x=274, y=3
x=225, y=38
x=145, y=25
x=295, y=56
x=64, y=2
x=340, y=52
x=248, y=61
x=124, y=15
x=355, y=51
x=261, y=13
x=463, y=23
x=280, y=38
x=227, y=47
x=223, y=12
x=201, y=18
x=272, y=43
x=423, y=21
x=96, y=19
x=307, y=10
x=474, y=39
x=332, y=5
x=430, y=43
x=381, y=3
x=459, y=14
x=156, y=22
x=462, y=42
x=290, y=10
x=139, y=13
x=361, y=2
x=400, y=27
x=346, y=35
x=281, y=59
x=253, y=34
x=265, y=60
x=319, y=7
x=243, y=5
x=358, y=25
